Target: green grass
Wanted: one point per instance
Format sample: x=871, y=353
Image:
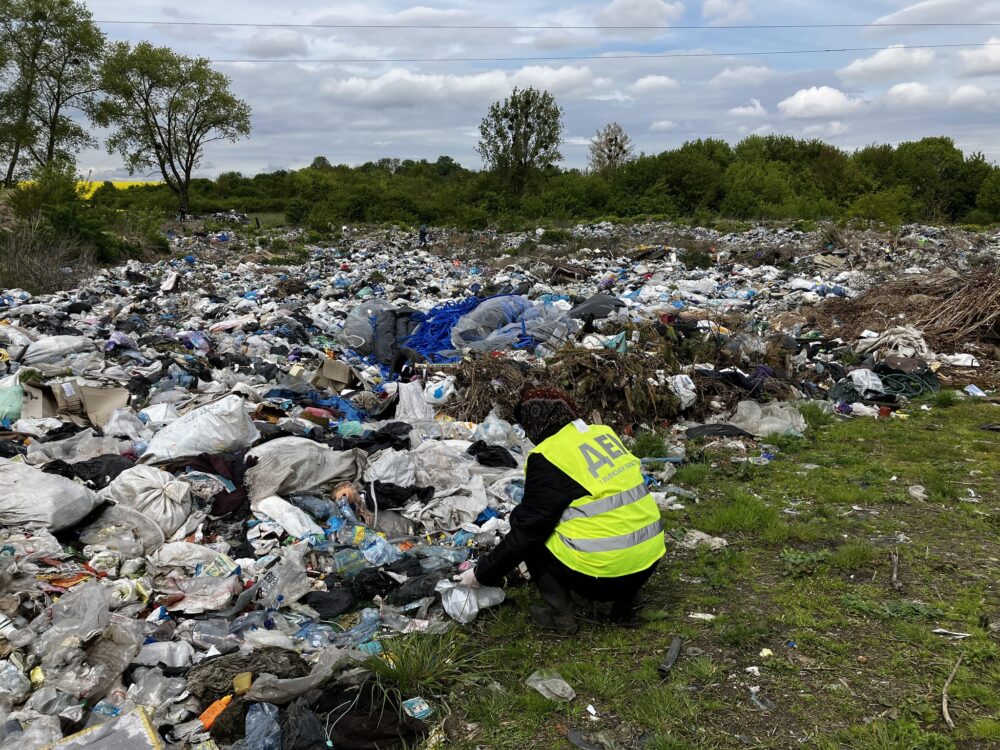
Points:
x=945, y=399
x=649, y=444
x=806, y=575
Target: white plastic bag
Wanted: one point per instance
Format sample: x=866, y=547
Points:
x=54, y=349
x=80, y=447
x=221, y=427
x=124, y=423
x=160, y=415
x=30, y=496
x=462, y=603
x=293, y=465
x=683, y=387
x=411, y=405
x=154, y=493
x=293, y=520
x=439, y=389
x=393, y=466
x=769, y=419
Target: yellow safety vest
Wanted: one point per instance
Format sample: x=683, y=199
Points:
x=616, y=529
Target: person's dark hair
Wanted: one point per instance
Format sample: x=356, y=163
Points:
x=542, y=412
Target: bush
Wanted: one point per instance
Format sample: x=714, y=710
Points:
x=555, y=237
x=32, y=257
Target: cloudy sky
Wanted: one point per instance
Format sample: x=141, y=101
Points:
x=674, y=84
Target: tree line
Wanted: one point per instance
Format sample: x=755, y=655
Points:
x=160, y=110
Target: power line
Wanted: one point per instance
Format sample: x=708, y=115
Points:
x=565, y=58
x=511, y=27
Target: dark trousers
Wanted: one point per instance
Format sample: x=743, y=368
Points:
x=556, y=582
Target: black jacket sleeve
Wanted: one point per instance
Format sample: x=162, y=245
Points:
x=548, y=491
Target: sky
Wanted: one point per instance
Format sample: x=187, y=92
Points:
x=673, y=85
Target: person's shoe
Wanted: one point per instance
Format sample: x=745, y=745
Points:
x=548, y=619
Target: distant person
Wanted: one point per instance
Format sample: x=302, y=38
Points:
x=587, y=524
x=423, y=235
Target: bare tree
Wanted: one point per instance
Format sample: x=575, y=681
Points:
x=610, y=149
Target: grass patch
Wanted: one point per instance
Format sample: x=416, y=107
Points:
x=740, y=512
x=649, y=444
x=692, y=475
x=945, y=399
x=887, y=735
x=853, y=556
x=985, y=729
x=817, y=417
x=421, y=665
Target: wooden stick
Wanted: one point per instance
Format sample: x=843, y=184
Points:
x=944, y=695
x=894, y=555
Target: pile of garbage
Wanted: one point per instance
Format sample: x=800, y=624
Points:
x=229, y=483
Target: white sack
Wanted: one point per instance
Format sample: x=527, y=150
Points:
x=155, y=494
x=291, y=465
x=294, y=521
x=683, y=388
x=53, y=349
x=30, y=496
x=221, y=427
x=393, y=466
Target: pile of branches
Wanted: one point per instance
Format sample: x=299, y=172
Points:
x=950, y=310
x=970, y=312
x=486, y=384
x=623, y=388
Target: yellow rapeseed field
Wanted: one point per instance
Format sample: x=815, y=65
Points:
x=90, y=188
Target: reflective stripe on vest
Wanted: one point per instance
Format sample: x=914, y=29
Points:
x=597, y=507
x=614, y=543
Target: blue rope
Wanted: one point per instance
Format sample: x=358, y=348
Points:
x=433, y=335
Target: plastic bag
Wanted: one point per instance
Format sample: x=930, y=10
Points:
x=155, y=494
x=496, y=431
x=463, y=603
x=294, y=521
x=359, y=327
x=83, y=446
x=11, y=400
x=551, y=684
x=439, y=390
x=262, y=729
x=488, y=317
x=769, y=419
x=77, y=617
x=31, y=496
x=866, y=381
x=411, y=405
x=286, y=582
x=390, y=465
x=55, y=349
x=297, y=465
x=124, y=423
x=221, y=427
x=683, y=387
x=160, y=415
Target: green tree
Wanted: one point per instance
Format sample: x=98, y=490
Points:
x=610, y=149
x=520, y=136
x=988, y=200
x=164, y=108
x=321, y=163
x=48, y=66
x=695, y=173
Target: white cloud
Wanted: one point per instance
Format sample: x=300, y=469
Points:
x=725, y=12
x=662, y=126
x=968, y=96
x=888, y=62
x=754, y=109
x=748, y=75
x=613, y=96
x=578, y=141
x=909, y=95
x=945, y=11
x=982, y=61
x=641, y=13
x=825, y=130
x=400, y=87
x=276, y=43
x=653, y=85
x=819, y=101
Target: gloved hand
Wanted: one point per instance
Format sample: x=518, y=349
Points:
x=468, y=578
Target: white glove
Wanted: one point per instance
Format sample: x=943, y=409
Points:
x=468, y=578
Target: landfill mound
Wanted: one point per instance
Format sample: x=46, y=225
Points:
x=233, y=477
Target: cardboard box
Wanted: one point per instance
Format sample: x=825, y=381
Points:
x=334, y=375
